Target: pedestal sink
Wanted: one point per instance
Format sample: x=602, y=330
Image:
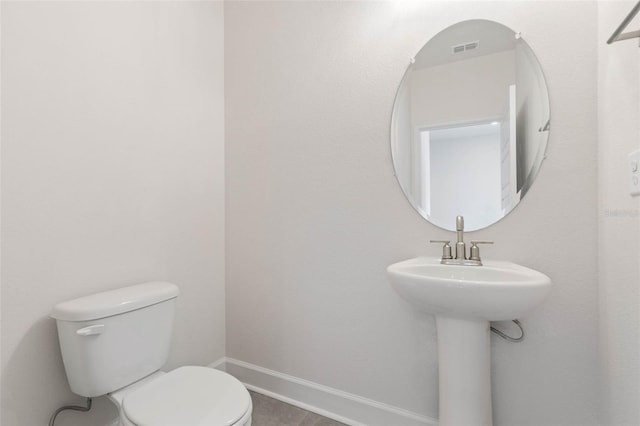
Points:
x=464, y=300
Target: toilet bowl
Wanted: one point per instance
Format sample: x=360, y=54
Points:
x=114, y=343
x=193, y=396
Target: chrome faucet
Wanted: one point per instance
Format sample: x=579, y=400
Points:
x=461, y=248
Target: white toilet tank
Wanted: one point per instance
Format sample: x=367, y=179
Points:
x=109, y=340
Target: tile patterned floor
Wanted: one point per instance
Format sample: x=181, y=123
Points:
x=271, y=412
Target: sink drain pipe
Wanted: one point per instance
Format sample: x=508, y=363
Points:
x=509, y=338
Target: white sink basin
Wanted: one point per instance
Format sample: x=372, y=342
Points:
x=495, y=291
x=464, y=300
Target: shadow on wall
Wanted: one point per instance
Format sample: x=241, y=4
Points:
x=31, y=375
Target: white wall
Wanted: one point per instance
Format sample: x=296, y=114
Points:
x=315, y=215
x=619, y=213
x=112, y=174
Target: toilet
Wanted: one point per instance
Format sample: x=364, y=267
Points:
x=114, y=343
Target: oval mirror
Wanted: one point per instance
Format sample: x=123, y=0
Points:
x=470, y=125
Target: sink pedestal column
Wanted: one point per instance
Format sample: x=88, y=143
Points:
x=464, y=369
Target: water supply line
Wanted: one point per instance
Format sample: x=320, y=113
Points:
x=52, y=420
x=504, y=336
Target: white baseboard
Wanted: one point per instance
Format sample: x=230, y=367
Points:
x=219, y=364
x=329, y=402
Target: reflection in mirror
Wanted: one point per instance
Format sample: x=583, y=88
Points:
x=470, y=125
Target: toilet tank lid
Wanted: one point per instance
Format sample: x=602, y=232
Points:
x=114, y=302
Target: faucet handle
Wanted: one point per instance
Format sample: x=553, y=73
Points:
x=474, y=251
x=446, y=248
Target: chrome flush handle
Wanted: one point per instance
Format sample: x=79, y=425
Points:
x=90, y=330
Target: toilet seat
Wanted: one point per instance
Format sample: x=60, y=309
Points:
x=193, y=396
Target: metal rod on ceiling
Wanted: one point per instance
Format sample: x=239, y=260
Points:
x=618, y=35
